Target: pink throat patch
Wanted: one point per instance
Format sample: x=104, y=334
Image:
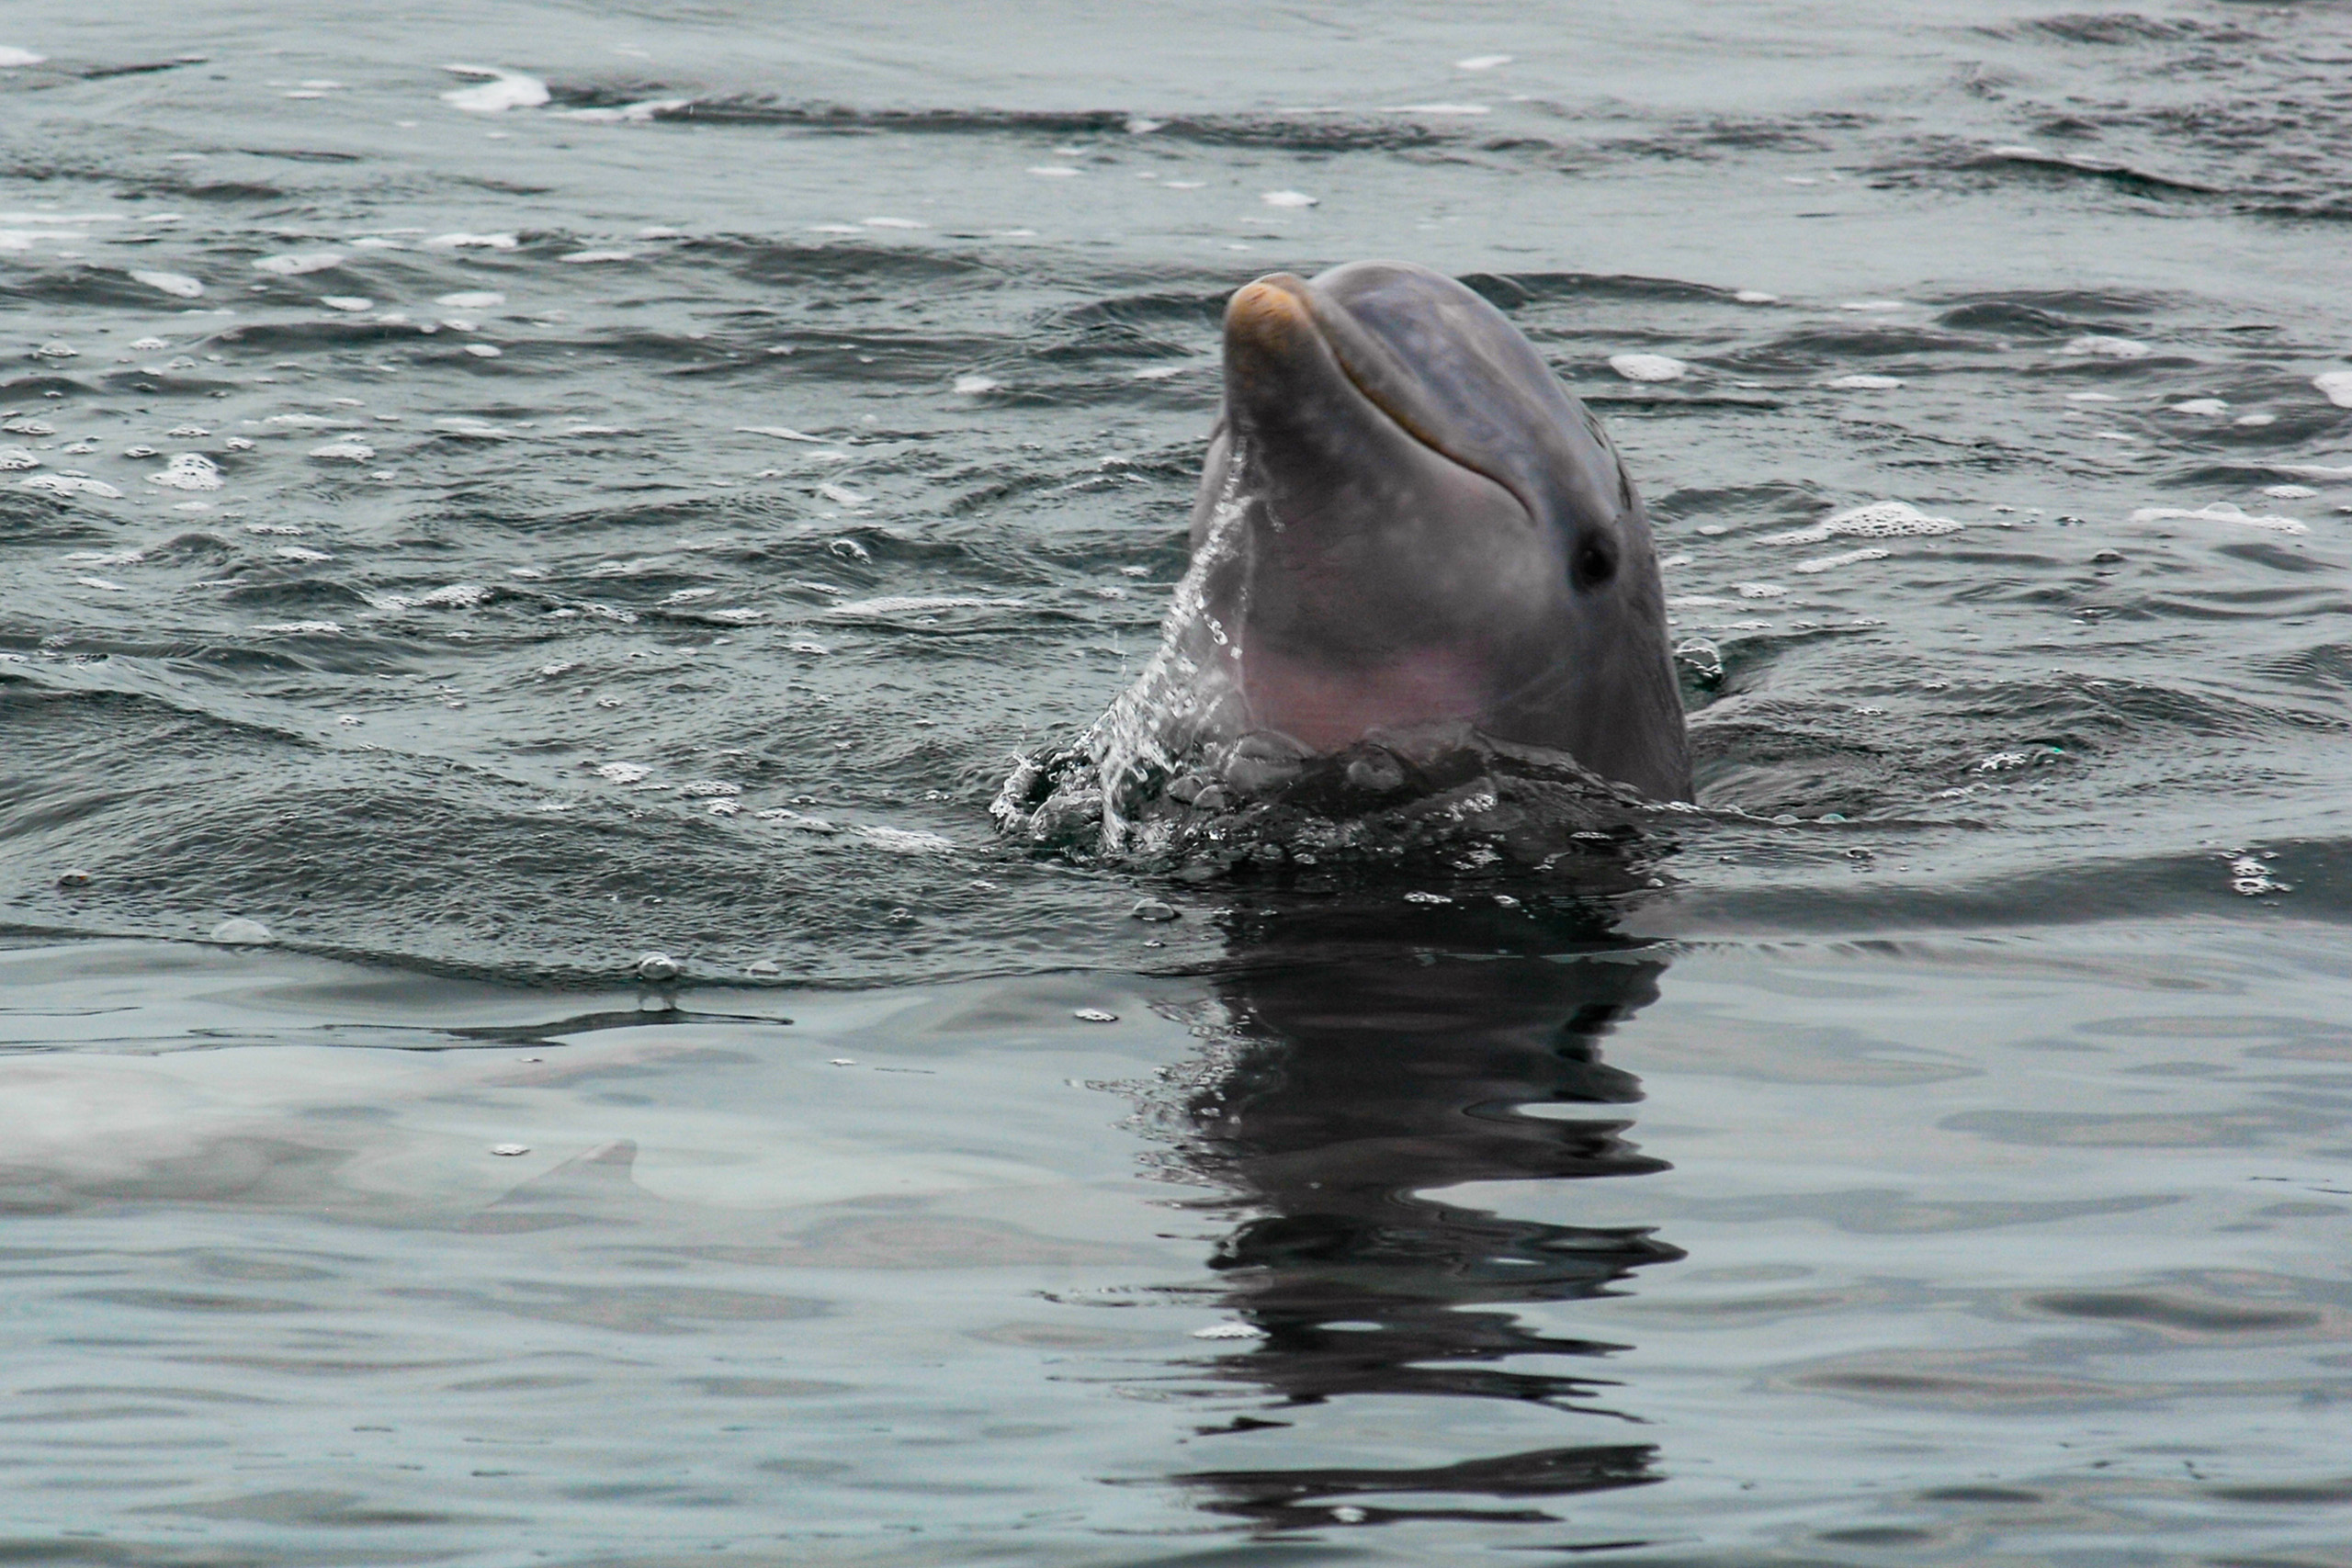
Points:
x=1327, y=708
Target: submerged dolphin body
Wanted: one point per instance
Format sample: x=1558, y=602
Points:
x=1405, y=520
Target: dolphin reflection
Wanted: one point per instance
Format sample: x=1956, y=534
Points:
x=1374, y=1059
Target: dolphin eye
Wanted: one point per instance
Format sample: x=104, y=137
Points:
x=1594, y=562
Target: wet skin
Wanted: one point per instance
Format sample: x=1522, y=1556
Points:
x=1432, y=531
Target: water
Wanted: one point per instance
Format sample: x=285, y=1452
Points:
x=1947, y=1161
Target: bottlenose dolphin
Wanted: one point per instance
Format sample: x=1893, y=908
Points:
x=1414, y=523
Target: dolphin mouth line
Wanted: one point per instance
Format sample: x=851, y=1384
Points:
x=1318, y=313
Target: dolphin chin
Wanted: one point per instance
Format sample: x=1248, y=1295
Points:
x=1405, y=520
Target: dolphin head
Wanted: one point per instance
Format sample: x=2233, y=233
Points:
x=1430, y=530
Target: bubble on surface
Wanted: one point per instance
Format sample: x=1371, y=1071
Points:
x=2104, y=347
x=187, y=470
x=1287, y=198
x=484, y=351
x=657, y=968
x=57, y=350
x=2220, y=512
x=1758, y=590
x=2336, y=385
x=2251, y=877
x=1850, y=557
x=176, y=284
x=1873, y=520
x=497, y=90
x=508, y=1151
x=150, y=345
x=623, y=773
x=1648, y=367
x=343, y=452
x=763, y=968
x=471, y=300
x=16, y=460
x=2289, y=493
x=1152, y=910
x=295, y=263
x=239, y=931
x=1866, y=383
x=972, y=385
x=1095, y=1015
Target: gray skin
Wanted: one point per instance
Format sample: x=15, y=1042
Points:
x=1434, y=531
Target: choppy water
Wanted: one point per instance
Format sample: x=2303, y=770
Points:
x=487, y=543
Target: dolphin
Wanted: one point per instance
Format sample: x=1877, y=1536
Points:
x=1406, y=521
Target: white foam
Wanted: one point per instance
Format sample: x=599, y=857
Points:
x=461, y=242
x=187, y=470
x=150, y=345
x=2092, y=398
x=484, y=351
x=2314, y=470
x=2199, y=406
x=1287, y=198
x=629, y=114
x=894, y=223
x=623, y=773
x=470, y=301
x=907, y=840
x=1156, y=372
x=346, y=302
x=1875, y=305
x=1695, y=602
x=975, y=384
x=1456, y=109
x=1054, y=171
x=176, y=284
x=835, y=228
x=1866, y=383
x=2289, y=493
x=1759, y=590
x=1648, y=367
x=587, y=256
x=2255, y=419
x=344, y=452
x=2107, y=347
x=1874, y=520
x=457, y=595
x=780, y=432
x=2220, y=512
x=2336, y=385
x=1755, y=297
x=1482, y=61
x=16, y=460
x=13, y=59
x=69, y=484
x=298, y=262
x=299, y=628
x=501, y=90
x=1831, y=563
x=899, y=605
x=301, y=553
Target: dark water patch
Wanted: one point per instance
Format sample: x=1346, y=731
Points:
x=1514, y=290
x=2174, y=1313
x=1303, y=1498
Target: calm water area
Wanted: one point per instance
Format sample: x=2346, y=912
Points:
x=488, y=492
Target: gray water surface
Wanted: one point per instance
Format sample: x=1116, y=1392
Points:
x=487, y=543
